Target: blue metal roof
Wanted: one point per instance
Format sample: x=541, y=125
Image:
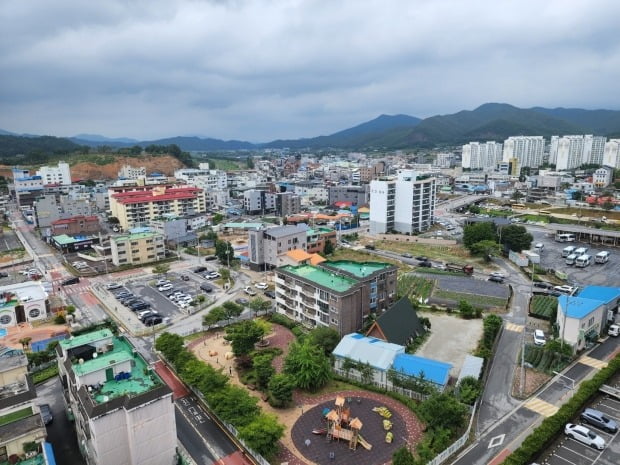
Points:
x=602, y=293
x=577, y=307
x=413, y=365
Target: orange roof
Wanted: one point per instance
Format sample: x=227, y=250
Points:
x=298, y=255
x=315, y=259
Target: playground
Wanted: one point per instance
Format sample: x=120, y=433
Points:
x=347, y=430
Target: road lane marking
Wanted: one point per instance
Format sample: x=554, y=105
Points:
x=541, y=407
x=514, y=327
x=592, y=362
x=496, y=441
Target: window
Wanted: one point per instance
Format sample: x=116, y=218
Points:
x=590, y=322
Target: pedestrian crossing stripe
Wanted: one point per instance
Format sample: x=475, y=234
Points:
x=514, y=327
x=541, y=407
x=593, y=362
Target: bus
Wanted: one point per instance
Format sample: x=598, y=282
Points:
x=565, y=237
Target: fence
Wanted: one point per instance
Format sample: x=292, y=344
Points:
x=388, y=387
x=456, y=445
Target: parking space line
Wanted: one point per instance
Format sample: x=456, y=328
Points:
x=541, y=407
x=566, y=460
x=592, y=362
x=514, y=327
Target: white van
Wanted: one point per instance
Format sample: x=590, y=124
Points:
x=583, y=261
x=539, y=247
x=614, y=330
x=581, y=251
x=601, y=257
x=567, y=251
x=570, y=260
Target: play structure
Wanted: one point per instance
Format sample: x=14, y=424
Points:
x=340, y=425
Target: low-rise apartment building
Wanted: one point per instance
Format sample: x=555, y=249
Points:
x=317, y=237
x=266, y=246
x=76, y=225
x=138, y=248
x=124, y=412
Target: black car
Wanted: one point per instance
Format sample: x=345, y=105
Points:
x=184, y=277
x=123, y=295
x=496, y=279
x=270, y=294
x=422, y=258
x=130, y=301
x=205, y=287
x=152, y=320
x=46, y=413
x=209, y=258
x=200, y=269
x=543, y=285
x=425, y=264
x=3, y=274
x=370, y=247
x=70, y=281
x=140, y=305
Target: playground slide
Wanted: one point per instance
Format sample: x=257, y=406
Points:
x=363, y=442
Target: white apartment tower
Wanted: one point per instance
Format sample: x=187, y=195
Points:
x=593, y=149
x=528, y=150
x=570, y=153
x=484, y=156
x=405, y=204
x=611, y=153
x=60, y=174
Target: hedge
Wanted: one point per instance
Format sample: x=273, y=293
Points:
x=544, y=434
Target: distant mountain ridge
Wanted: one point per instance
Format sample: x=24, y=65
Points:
x=491, y=121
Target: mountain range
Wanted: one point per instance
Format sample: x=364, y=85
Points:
x=491, y=121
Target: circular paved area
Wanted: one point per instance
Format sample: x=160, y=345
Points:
x=372, y=431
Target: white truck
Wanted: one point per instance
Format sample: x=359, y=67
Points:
x=601, y=257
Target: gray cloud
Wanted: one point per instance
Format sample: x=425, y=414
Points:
x=259, y=70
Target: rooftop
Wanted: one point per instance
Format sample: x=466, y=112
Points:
x=243, y=225
x=155, y=195
x=602, y=293
x=577, y=307
x=86, y=338
x=134, y=237
x=19, y=291
x=283, y=231
x=322, y=277
x=375, y=352
x=358, y=269
x=432, y=370
x=299, y=255
x=75, y=219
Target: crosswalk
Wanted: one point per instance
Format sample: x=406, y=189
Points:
x=514, y=327
x=541, y=407
x=592, y=362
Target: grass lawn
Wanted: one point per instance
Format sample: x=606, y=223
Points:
x=45, y=374
x=362, y=256
x=415, y=286
x=474, y=299
x=334, y=386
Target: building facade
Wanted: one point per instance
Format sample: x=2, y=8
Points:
x=139, y=248
x=131, y=172
x=267, y=246
x=356, y=195
x=287, y=203
x=23, y=303
x=603, y=176
x=317, y=237
x=76, y=225
x=60, y=174
x=611, y=153
x=124, y=412
x=477, y=156
x=528, y=150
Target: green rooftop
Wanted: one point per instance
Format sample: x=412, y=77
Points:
x=358, y=269
x=322, y=277
x=134, y=236
x=243, y=225
x=106, y=360
x=63, y=239
x=319, y=230
x=86, y=338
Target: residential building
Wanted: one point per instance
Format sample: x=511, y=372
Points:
x=355, y=195
x=404, y=204
x=369, y=172
x=593, y=149
x=203, y=177
x=174, y=229
x=20, y=418
x=611, y=153
x=313, y=192
x=570, y=153
x=553, y=149
x=446, y=160
x=27, y=188
x=255, y=202
x=52, y=207
x=60, y=174
x=583, y=318
x=399, y=324
x=266, y=246
x=477, y=156
x=528, y=150
x=23, y=303
x=138, y=248
x=388, y=363
x=76, y=225
x=317, y=237
x=286, y=203
x=124, y=412
x=71, y=244
x=603, y=176
x=140, y=206
x=131, y=172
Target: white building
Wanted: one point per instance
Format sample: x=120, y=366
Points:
x=593, y=149
x=603, y=176
x=22, y=303
x=405, y=205
x=124, y=412
x=528, y=150
x=611, y=153
x=445, y=160
x=484, y=156
x=570, y=153
x=313, y=193
x=130, y=172
x=60, y=174
x=203, y=177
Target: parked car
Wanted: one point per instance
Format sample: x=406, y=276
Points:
x=497, y=274
x=584, y=435
x=213, y=275
x=242, y=301
x=422, y=258
x=206, y=287
x=199, y=269
x=136, y=307
x=123, y=294
x=165, y=287
x=599, y=419
x=162, y=282
x=261, y=286
x=146, y=313
x=496, y=279
x=3, y=274
x=153, y=320
x=70, y=281
x=539, y=337
x=132, y=300
x=209, y=258
x=406, y=255
x=543, y=285
x=369, y=247
x=46, y=413
x=425, y=264
x=184, y=277
x=566, y=289
x=614, y=330
x=270, y=294
x=249, y=291
x=112, y=286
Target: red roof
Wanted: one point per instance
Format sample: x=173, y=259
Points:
x=75, y=219
x=176, y=193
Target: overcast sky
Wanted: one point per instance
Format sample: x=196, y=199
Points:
x=259, y=70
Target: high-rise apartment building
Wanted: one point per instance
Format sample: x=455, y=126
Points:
x=570, y=153
x=477, y=156
x=405, y=204
x=611, y=153
x=593, y=149
x=528, y=150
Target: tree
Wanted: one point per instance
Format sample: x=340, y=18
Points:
x=225, y=252
x=403, y=456
x=217, y=219
x=263, y=434
x=203, y=376
x=162, y=268
x=486, y=249
x=113, y=220
x=225, y=273
x=484, y=231
x=171, y=345
x=328, y=248
x=263, y=369
x=234, y=405
x=308, y=365
x=516, y=238
x=578, y=195
x=250, y=163
x=243, y=336
x=325, y=337
x=232, y=310
x=211, y=235
x=475, y=209
x=281, y=389
x=25, y=342
x=469, y=389
x=216, y=314
x=258, y=304
x=442, y=411
x=516, y=195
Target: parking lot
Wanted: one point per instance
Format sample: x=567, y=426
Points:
x=472, y=286
x=567, y=451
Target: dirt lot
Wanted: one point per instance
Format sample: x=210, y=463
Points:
x=451, y=339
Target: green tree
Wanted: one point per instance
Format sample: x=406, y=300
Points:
x=232, y=310
x=475, y=209
x=486, y=249
x=403, y=456
x=263, y=369
x=281, y=389
x=477, y=232
x=203, y=376
x=442, y=411
x=225, y=252
x=171, y=345
x=162, y=268
x=211, y=235
x=225, y=273
x=516, y=238
x=113, y=220
x=328, y=248
x=243, y=336
x=234, y=405
x=263, y=434
x=217, y=219
x=608, y=205
x=258, y=304
x=325, y=337
x=249, y=162
x=308, y=365
x=215, y=314
x=469, y=389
